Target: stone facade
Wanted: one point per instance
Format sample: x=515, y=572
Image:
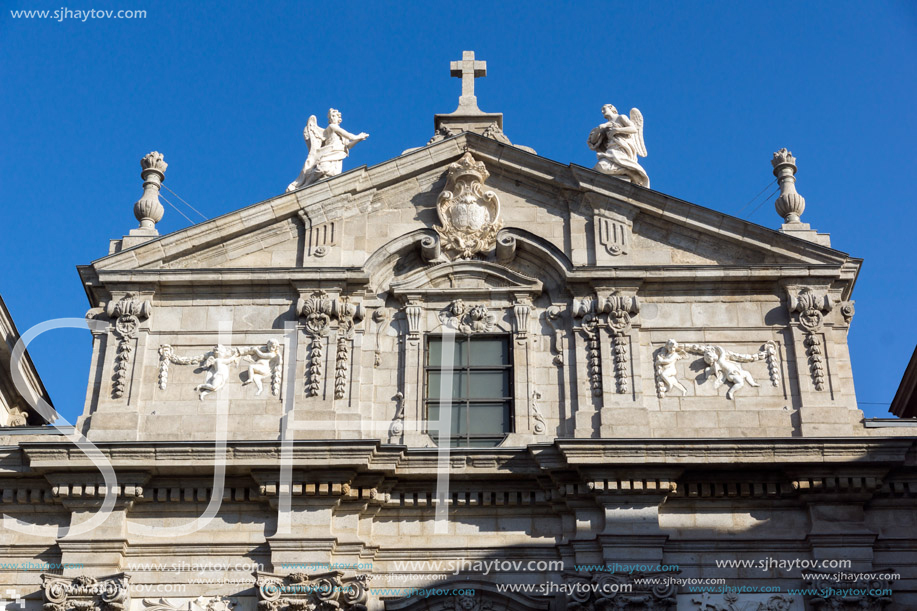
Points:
x=681, y=394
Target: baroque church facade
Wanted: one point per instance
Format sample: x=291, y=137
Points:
x=467, y=354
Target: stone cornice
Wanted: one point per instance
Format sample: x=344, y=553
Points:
x=373, y=456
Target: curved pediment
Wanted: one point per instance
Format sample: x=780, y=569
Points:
x=467, y=278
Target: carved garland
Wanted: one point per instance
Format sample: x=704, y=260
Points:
x=201, y=603
x=127, y=313
x=264, y=361
x=318, y=310
x=722, y=366
x=811, y=309
x=618, y=310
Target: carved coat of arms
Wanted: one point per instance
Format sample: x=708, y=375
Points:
x=470, y=216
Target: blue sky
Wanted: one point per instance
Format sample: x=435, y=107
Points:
x=224, y=89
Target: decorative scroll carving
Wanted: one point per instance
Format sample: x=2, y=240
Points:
x=554, y=317
x=86, y=593
x=468, y=602
x=470, y=216
x=540, y=425
x=811, y=308
x=266, y=360
x=722, y=365
x=847, y=311
x=396, y=430
x=731, y=602
x=202, y=603
x=127, y=313
x=849, y=594
x=301, y=592
x=17, y=417
x=318, y=310
x=521, y=311
x=382, y=316
x=602, y=591
x=468, y=319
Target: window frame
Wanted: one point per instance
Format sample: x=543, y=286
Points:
x=508, y=400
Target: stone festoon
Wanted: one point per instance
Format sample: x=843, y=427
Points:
x=621, y=377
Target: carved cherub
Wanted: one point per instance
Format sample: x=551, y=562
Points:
x=264, y=362
x=217, y=363
x=725, y=370
x=665, y=368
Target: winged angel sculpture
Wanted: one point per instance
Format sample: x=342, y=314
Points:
x=327, y=149
x=617, y=143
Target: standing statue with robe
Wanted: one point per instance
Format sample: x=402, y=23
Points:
x=327, y=150
x=617, y=144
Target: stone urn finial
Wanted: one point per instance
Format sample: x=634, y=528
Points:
x=148, y=209
x=789, y=204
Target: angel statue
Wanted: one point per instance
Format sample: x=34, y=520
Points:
x=327, y=149
x=617, y=143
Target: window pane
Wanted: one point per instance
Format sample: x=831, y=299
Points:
x=489, y=351
x=489, y=418
x=435, y=380
x=435, y=355
x=489, y=384
x=458, y=419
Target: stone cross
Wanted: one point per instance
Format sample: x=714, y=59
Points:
x=468, y=69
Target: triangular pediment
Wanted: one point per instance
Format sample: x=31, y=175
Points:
x=587, y=218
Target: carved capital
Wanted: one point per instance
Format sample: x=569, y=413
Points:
x=838, y=592
x=809, y=306
x=86, y=593
x=847, y=311
x=299, y=591
x=624, y=591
